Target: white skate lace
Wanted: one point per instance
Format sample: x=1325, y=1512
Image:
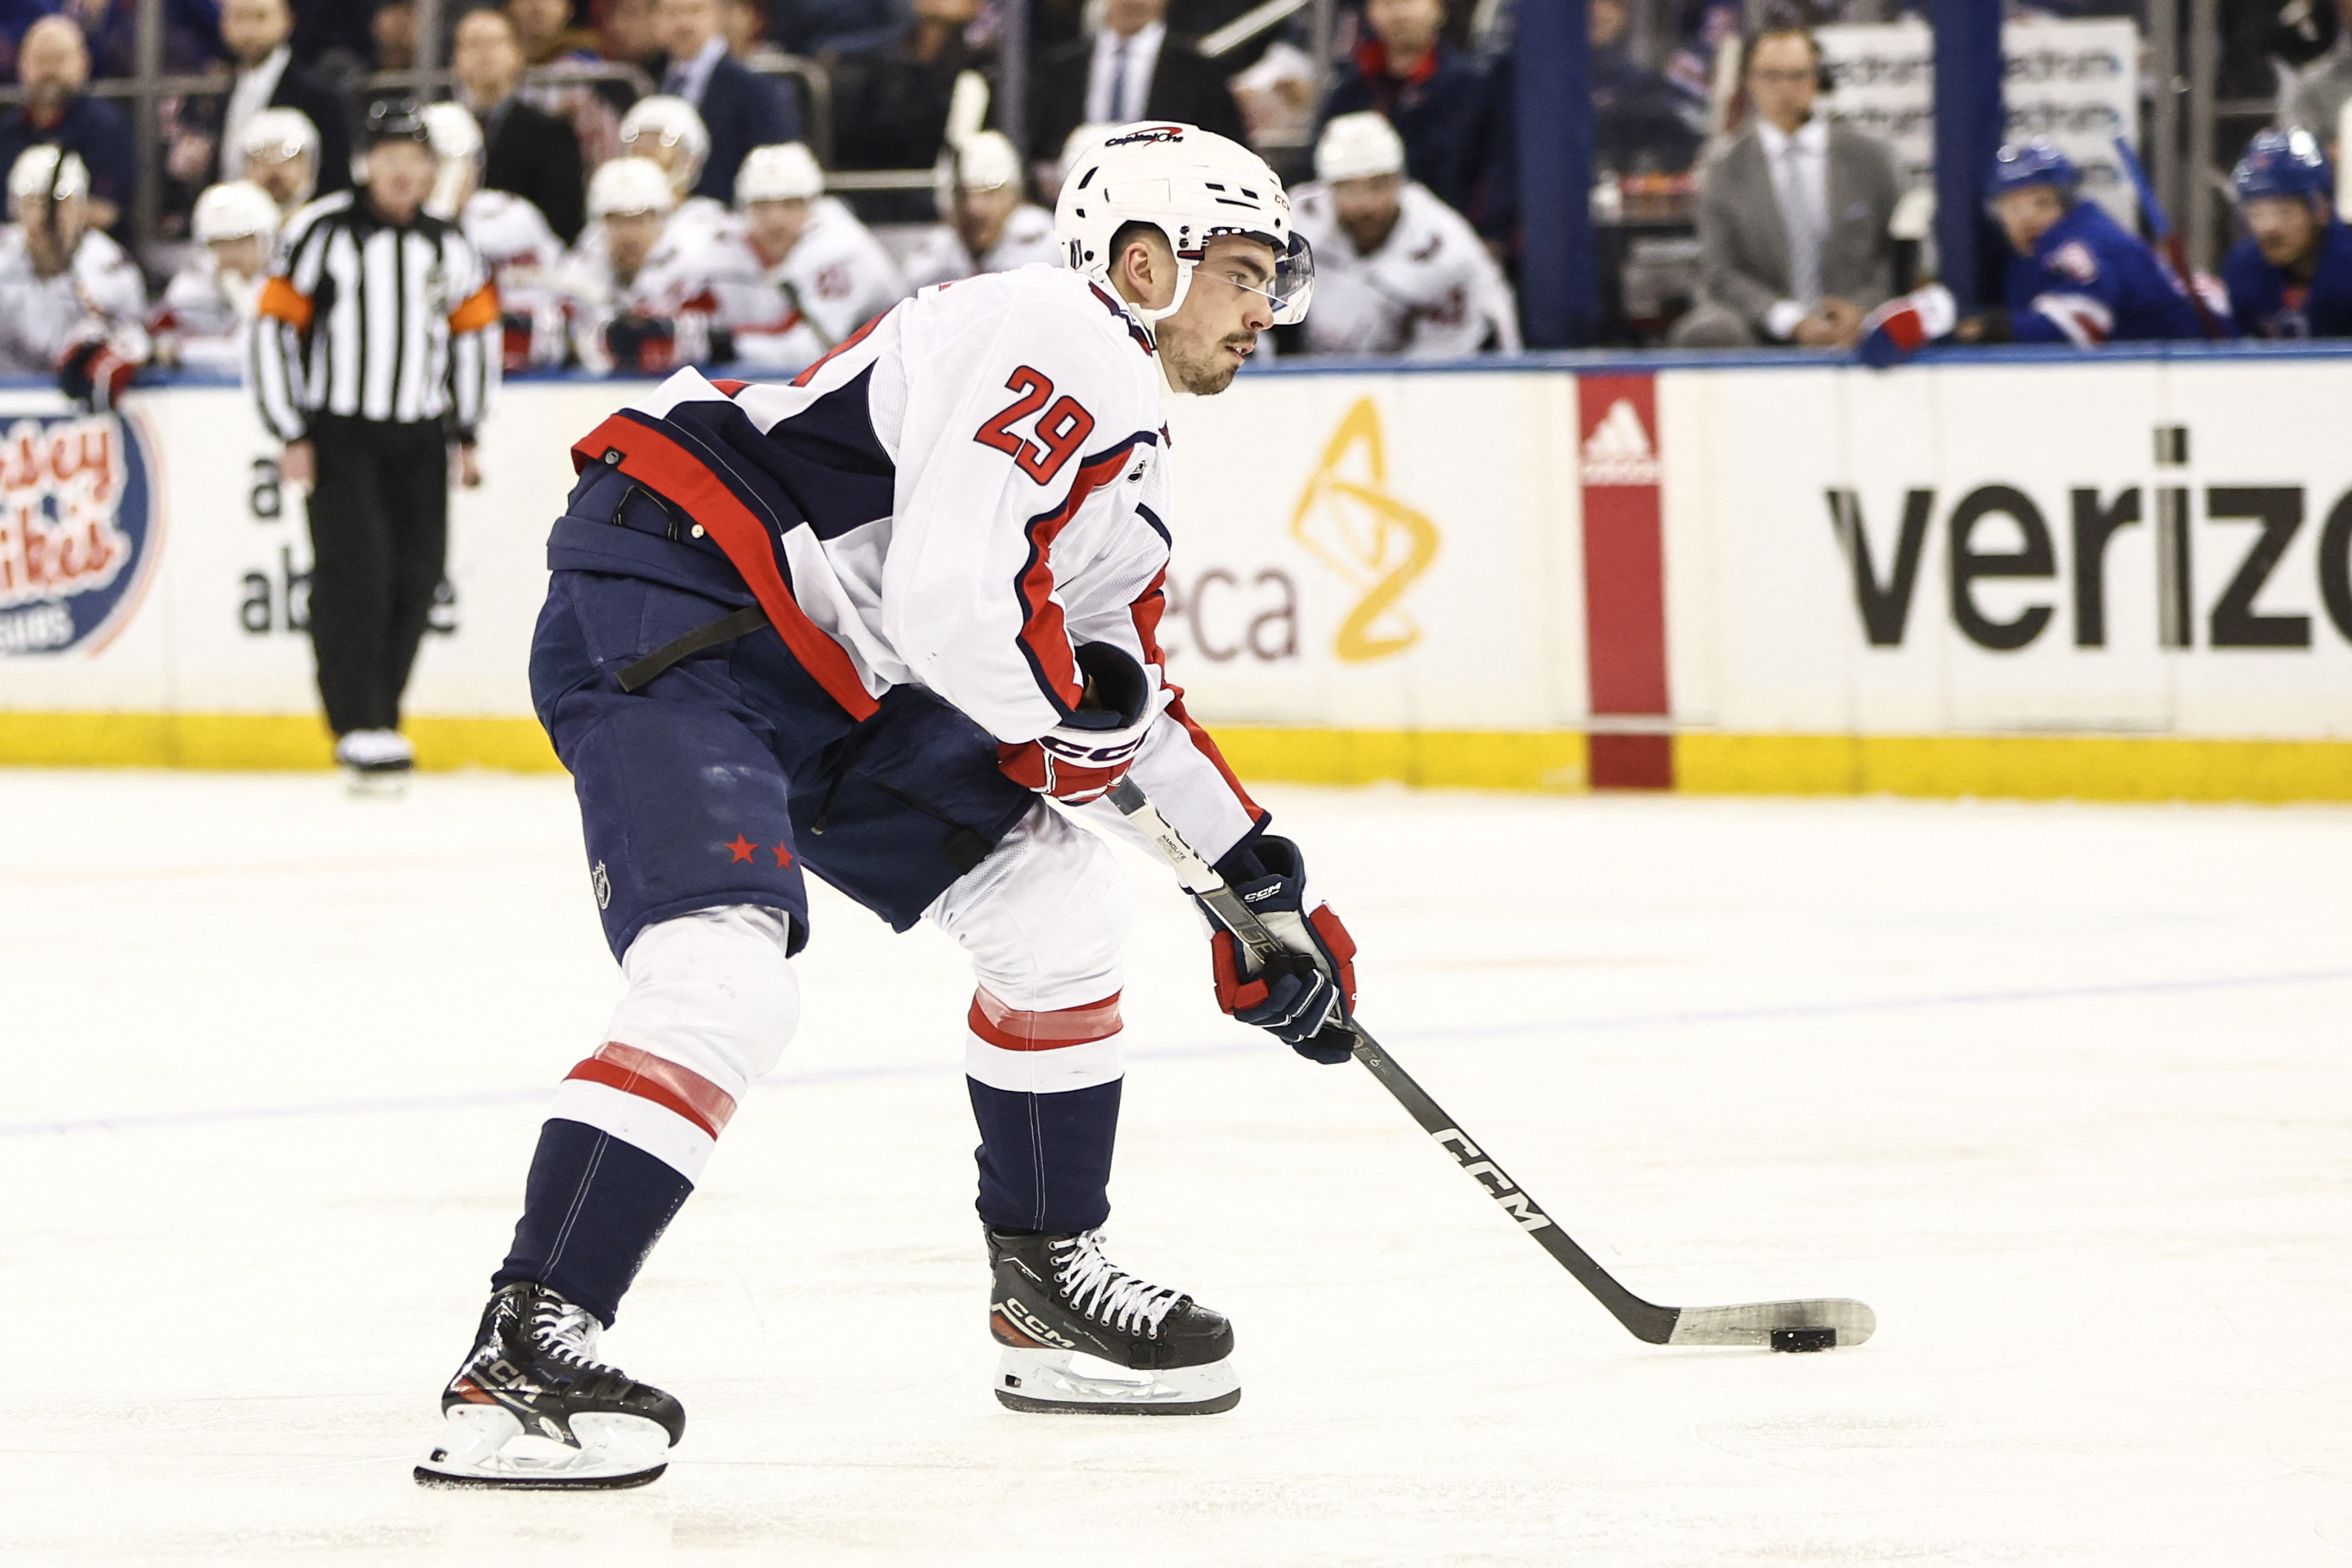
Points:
x=1108, y=1293
x=568, y=1333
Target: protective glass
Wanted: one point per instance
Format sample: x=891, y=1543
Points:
x=1294, y=280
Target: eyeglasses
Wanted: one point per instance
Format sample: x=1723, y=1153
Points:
x=1791, y=77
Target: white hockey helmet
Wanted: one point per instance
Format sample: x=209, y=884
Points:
x=785, y=172
x=986, y=162
x=630, y=186
x=236, y=210
x=458, y=142
x=1194, y=186
x=668, y=121
x=278, y=134
x=1362, y=146
x=43, y=172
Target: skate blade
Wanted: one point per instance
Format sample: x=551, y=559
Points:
x=1063, y=1381
x=485, y=1445
x=377, y=784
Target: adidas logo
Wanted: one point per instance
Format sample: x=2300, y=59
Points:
x=1619, y=451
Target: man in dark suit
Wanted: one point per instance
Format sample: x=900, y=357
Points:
x=526, y=150
x=54, y=67
x=741, y=108
x=256, y=32
x=1454, y=116
x=1131, y=70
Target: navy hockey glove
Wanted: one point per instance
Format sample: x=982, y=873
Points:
x=1307, y=999
x=1081, y=758
x=96, y=367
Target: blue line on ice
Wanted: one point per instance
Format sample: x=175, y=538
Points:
x=161, y=1119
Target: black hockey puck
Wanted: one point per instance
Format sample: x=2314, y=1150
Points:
x=1795, y=1340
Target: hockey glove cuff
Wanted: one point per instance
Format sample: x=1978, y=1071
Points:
x=1907, y=324
x=96, y=368
x=1307, y=999
x=1081, y=758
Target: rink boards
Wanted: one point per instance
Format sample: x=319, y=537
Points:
x=2020, y=575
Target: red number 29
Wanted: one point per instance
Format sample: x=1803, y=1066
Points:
x=1060, y=429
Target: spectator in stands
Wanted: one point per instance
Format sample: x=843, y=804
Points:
x=829, y=27
x=63, y=284
x=54, y=67
x=256, y=32
x=1132, y=68
x=2316, y=102
x=544, y=32
x=192, y=40
x=818, y=274
x=666, y=133
x=1397, y=271
x=393, y=30
x=205, y=320
x=1455, y=121
x=529, y=152
x=331, y=36
x=740, y=108
x=629, y=34
x=1792, y=216
x=281, y=156
x=890, y=104
x=2291, y=277
x=1642, y=123
x=990, y=226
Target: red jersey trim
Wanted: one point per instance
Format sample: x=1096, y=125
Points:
x=677, y=476
x=1015, y=1029
x=1044, y=639
x=665, y=1083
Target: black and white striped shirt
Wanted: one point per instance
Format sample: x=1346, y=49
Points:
x=367, y=319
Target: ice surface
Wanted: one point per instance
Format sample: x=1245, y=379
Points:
x=2061, y=1091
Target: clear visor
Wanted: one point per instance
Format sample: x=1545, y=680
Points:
x=1294, y=278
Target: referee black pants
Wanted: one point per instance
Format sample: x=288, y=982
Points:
x=379, y=543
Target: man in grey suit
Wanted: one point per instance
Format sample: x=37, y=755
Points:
x=1792, y=216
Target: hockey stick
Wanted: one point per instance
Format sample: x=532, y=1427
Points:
x=2167, y=241
x=1816, y=1324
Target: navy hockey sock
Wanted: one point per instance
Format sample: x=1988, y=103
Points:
x=594, y=1208
x=1045, y=1159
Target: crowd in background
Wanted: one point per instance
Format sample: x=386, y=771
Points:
x=643, y=177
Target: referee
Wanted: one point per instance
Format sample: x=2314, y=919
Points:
x=376, y=350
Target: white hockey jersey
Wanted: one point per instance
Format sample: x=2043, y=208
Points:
x=40, y=316
x=1429, y=292
x=206, y=316
x=1027, y=236
x=833, y=281
x=525, y=260
x=953, y=498
x=679, y=278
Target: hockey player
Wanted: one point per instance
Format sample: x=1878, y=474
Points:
x=820, y=273
x=72, y=302
x=1400, y=271
x=670, y=131
x=512, y=237
x=988, y=226
x=641, y=283
x=884, y=624
x=2075, y=274
x=281, y=149
x=2292, y=276
x=206, y=317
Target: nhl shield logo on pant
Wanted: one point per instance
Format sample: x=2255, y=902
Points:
x=78, y=534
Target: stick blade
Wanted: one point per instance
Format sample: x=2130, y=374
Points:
x=1850, y=1322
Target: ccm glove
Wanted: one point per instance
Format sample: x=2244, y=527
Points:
x=1306, y=999
x=1081, y=758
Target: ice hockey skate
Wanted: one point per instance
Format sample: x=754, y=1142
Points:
x=530, y=1410
x=1082, y=1334
x=375, y=762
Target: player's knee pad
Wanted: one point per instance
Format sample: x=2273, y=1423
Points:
x=1043, y=920
x=710, y=1005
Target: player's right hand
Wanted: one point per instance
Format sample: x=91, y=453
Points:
x=1306, y=1000
x=1083, y=758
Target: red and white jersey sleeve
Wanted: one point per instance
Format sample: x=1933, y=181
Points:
x=1431, y=291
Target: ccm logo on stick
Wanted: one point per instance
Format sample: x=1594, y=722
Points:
x=1518, y=1204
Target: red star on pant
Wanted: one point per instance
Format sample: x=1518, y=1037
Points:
x=783, y=855
x=741, y=849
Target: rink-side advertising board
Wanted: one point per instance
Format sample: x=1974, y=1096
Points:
x=2105, y=579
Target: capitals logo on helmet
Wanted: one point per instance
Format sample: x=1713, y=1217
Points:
x=2035, y=162
x=1194, y=186
x=2282, y=164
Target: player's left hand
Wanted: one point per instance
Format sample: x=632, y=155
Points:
x=1081, y=760
x=1306, y=1003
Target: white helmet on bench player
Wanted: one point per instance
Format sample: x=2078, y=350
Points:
x=1194, y=186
